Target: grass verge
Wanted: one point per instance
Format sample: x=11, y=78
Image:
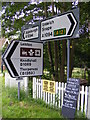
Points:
x=27, y=107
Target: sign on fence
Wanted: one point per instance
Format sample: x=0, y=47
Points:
x=49, y=86
x=70, y=97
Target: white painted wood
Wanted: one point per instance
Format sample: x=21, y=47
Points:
x=88, y=110
x=37, y=87
x=59, y=94
x=65, y=86
x=82, y=98
x=7, y=80
x=41, y=89
x=78, y=103
x=25, y=82
x=62, y=93
x=46, y=97
x=60, y=89
x=86, y=99
x=12, y=82
x=33, y=87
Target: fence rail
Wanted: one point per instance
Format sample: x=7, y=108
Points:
x=57, y=98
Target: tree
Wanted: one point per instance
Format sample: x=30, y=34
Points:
x=55, y=51
x=49, y=47
x=18, y=14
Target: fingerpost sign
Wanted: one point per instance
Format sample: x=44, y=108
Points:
x=24, y=58
x=62, y=26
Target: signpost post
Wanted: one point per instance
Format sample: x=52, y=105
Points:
x=18, y=90
x=68, y=55
x=19, y=79
x=24, y=58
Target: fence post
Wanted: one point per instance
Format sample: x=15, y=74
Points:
x=82, y=98
x=86, y=98
x=88, y=110
x=62, y=93
x=56, y=94
x=26, y=84
x=41, y=88
x=34, y=87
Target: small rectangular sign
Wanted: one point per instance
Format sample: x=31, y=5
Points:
x=70, y=97
x=49, y=86
x=60, y=32
x=30, y=52
x=30, y=33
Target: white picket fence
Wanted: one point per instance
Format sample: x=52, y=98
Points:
x=12, y=82
x=57, y=98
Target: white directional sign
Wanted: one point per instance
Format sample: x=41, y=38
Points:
x=30, y=33
x=24, y=58
x=61, y=26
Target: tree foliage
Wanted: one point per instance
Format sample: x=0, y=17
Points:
x=17, y=14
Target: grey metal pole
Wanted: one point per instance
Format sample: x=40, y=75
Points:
x=68, y=54
x=18, y=90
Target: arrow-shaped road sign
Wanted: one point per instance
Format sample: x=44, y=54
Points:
x=62, y=26
x=31, y=32
x=24, y=58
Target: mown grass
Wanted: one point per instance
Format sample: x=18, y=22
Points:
x=27, y=107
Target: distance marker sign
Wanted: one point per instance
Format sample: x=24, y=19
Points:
x=30, y=33
x=24, y=58
x=63, y=26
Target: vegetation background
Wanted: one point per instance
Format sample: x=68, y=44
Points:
x=17, y=14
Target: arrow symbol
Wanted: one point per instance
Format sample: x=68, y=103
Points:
x=7, y=59
x=23, y=34
x=72, y=24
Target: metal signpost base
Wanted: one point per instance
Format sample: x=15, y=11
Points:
x=19, y=78
x=18, y=90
